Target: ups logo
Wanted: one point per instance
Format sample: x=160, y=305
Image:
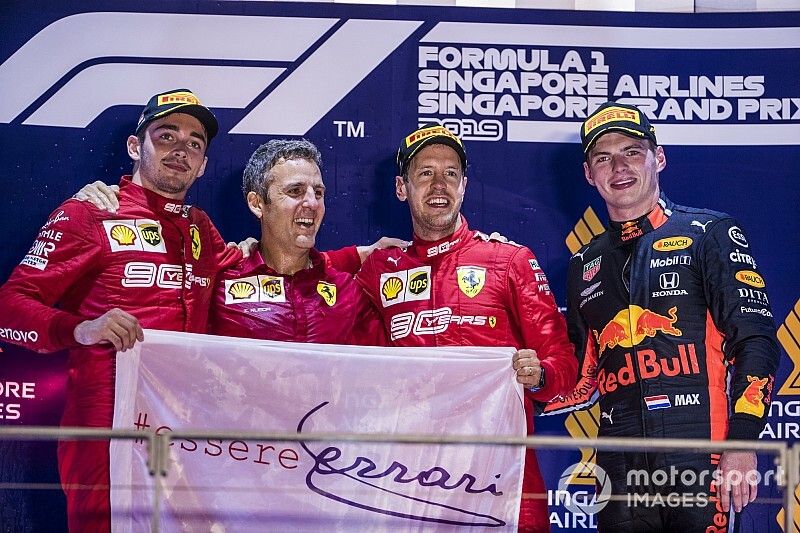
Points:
x=151, y=234
x=418, y=282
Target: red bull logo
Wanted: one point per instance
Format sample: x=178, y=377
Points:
x=631, y=326
x=612, y=335
x=752, y=399
x=649, y=366
x=630, y=230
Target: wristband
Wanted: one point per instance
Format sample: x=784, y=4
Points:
x=540, y=386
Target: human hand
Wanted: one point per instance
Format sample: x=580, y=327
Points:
x=100, y=195
x=528, y=367
x=383, y=242
x=500, y=238
x=116, y=327
x=246, y=246
x=736, y=479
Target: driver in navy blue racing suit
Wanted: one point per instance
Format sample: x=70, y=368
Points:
x=663, y=308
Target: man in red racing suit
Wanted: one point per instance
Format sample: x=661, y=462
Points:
x=660, y=307
x=152, y=264
x=455, y=287
x=286, y=290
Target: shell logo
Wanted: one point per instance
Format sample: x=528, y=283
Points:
x=241, y=290
x=751, y=278
x=124, y=235
x=391, y=288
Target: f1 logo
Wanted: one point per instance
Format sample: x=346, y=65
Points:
x=669, y=280
x=303, y=47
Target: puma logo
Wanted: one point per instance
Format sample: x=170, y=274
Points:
x=700, y=224
x=394, y=260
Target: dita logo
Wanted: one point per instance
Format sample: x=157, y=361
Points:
x=205, y=65
x=355, y=482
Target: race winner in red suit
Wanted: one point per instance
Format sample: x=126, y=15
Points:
x=661, y=307
x=456, y=287
x=152, y=264
x=287, y=290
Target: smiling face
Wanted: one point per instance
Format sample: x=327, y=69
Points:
x=434, y=191
x=292, y=212
x=625, y=172
x=170, y=156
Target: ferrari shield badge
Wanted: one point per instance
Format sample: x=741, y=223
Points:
x=471, y=280
x=327, y=291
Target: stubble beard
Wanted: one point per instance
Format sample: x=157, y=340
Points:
x=442, y=224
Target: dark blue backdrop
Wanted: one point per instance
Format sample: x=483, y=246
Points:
x=533, y=190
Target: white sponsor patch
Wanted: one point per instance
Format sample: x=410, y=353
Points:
x=242, y=290
x=253, y=289
x=34, y=261
x=143, y=235
x=405, y=286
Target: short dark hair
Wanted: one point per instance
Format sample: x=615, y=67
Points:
x=257, y=175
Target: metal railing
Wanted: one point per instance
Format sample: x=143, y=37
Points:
x=786, y=458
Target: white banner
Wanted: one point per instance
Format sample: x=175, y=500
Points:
x=178, y=381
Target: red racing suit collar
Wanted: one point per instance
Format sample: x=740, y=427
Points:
x=152, y=200
x=255, y=263
x=426, y=249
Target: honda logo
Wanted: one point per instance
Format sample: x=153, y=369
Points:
x=669, y=280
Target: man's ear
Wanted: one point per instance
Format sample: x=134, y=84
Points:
x=255, y=204
x=588, y=174
x=661, y=159
x=400, y=188
x=134, y=148
x=202, y=168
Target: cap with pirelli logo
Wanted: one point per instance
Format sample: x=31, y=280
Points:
x=425, y=136
x=178, y=101
x=621, y=118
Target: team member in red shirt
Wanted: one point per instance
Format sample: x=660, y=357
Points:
x=151, y=264
x=287, y=290
x=457, y=287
